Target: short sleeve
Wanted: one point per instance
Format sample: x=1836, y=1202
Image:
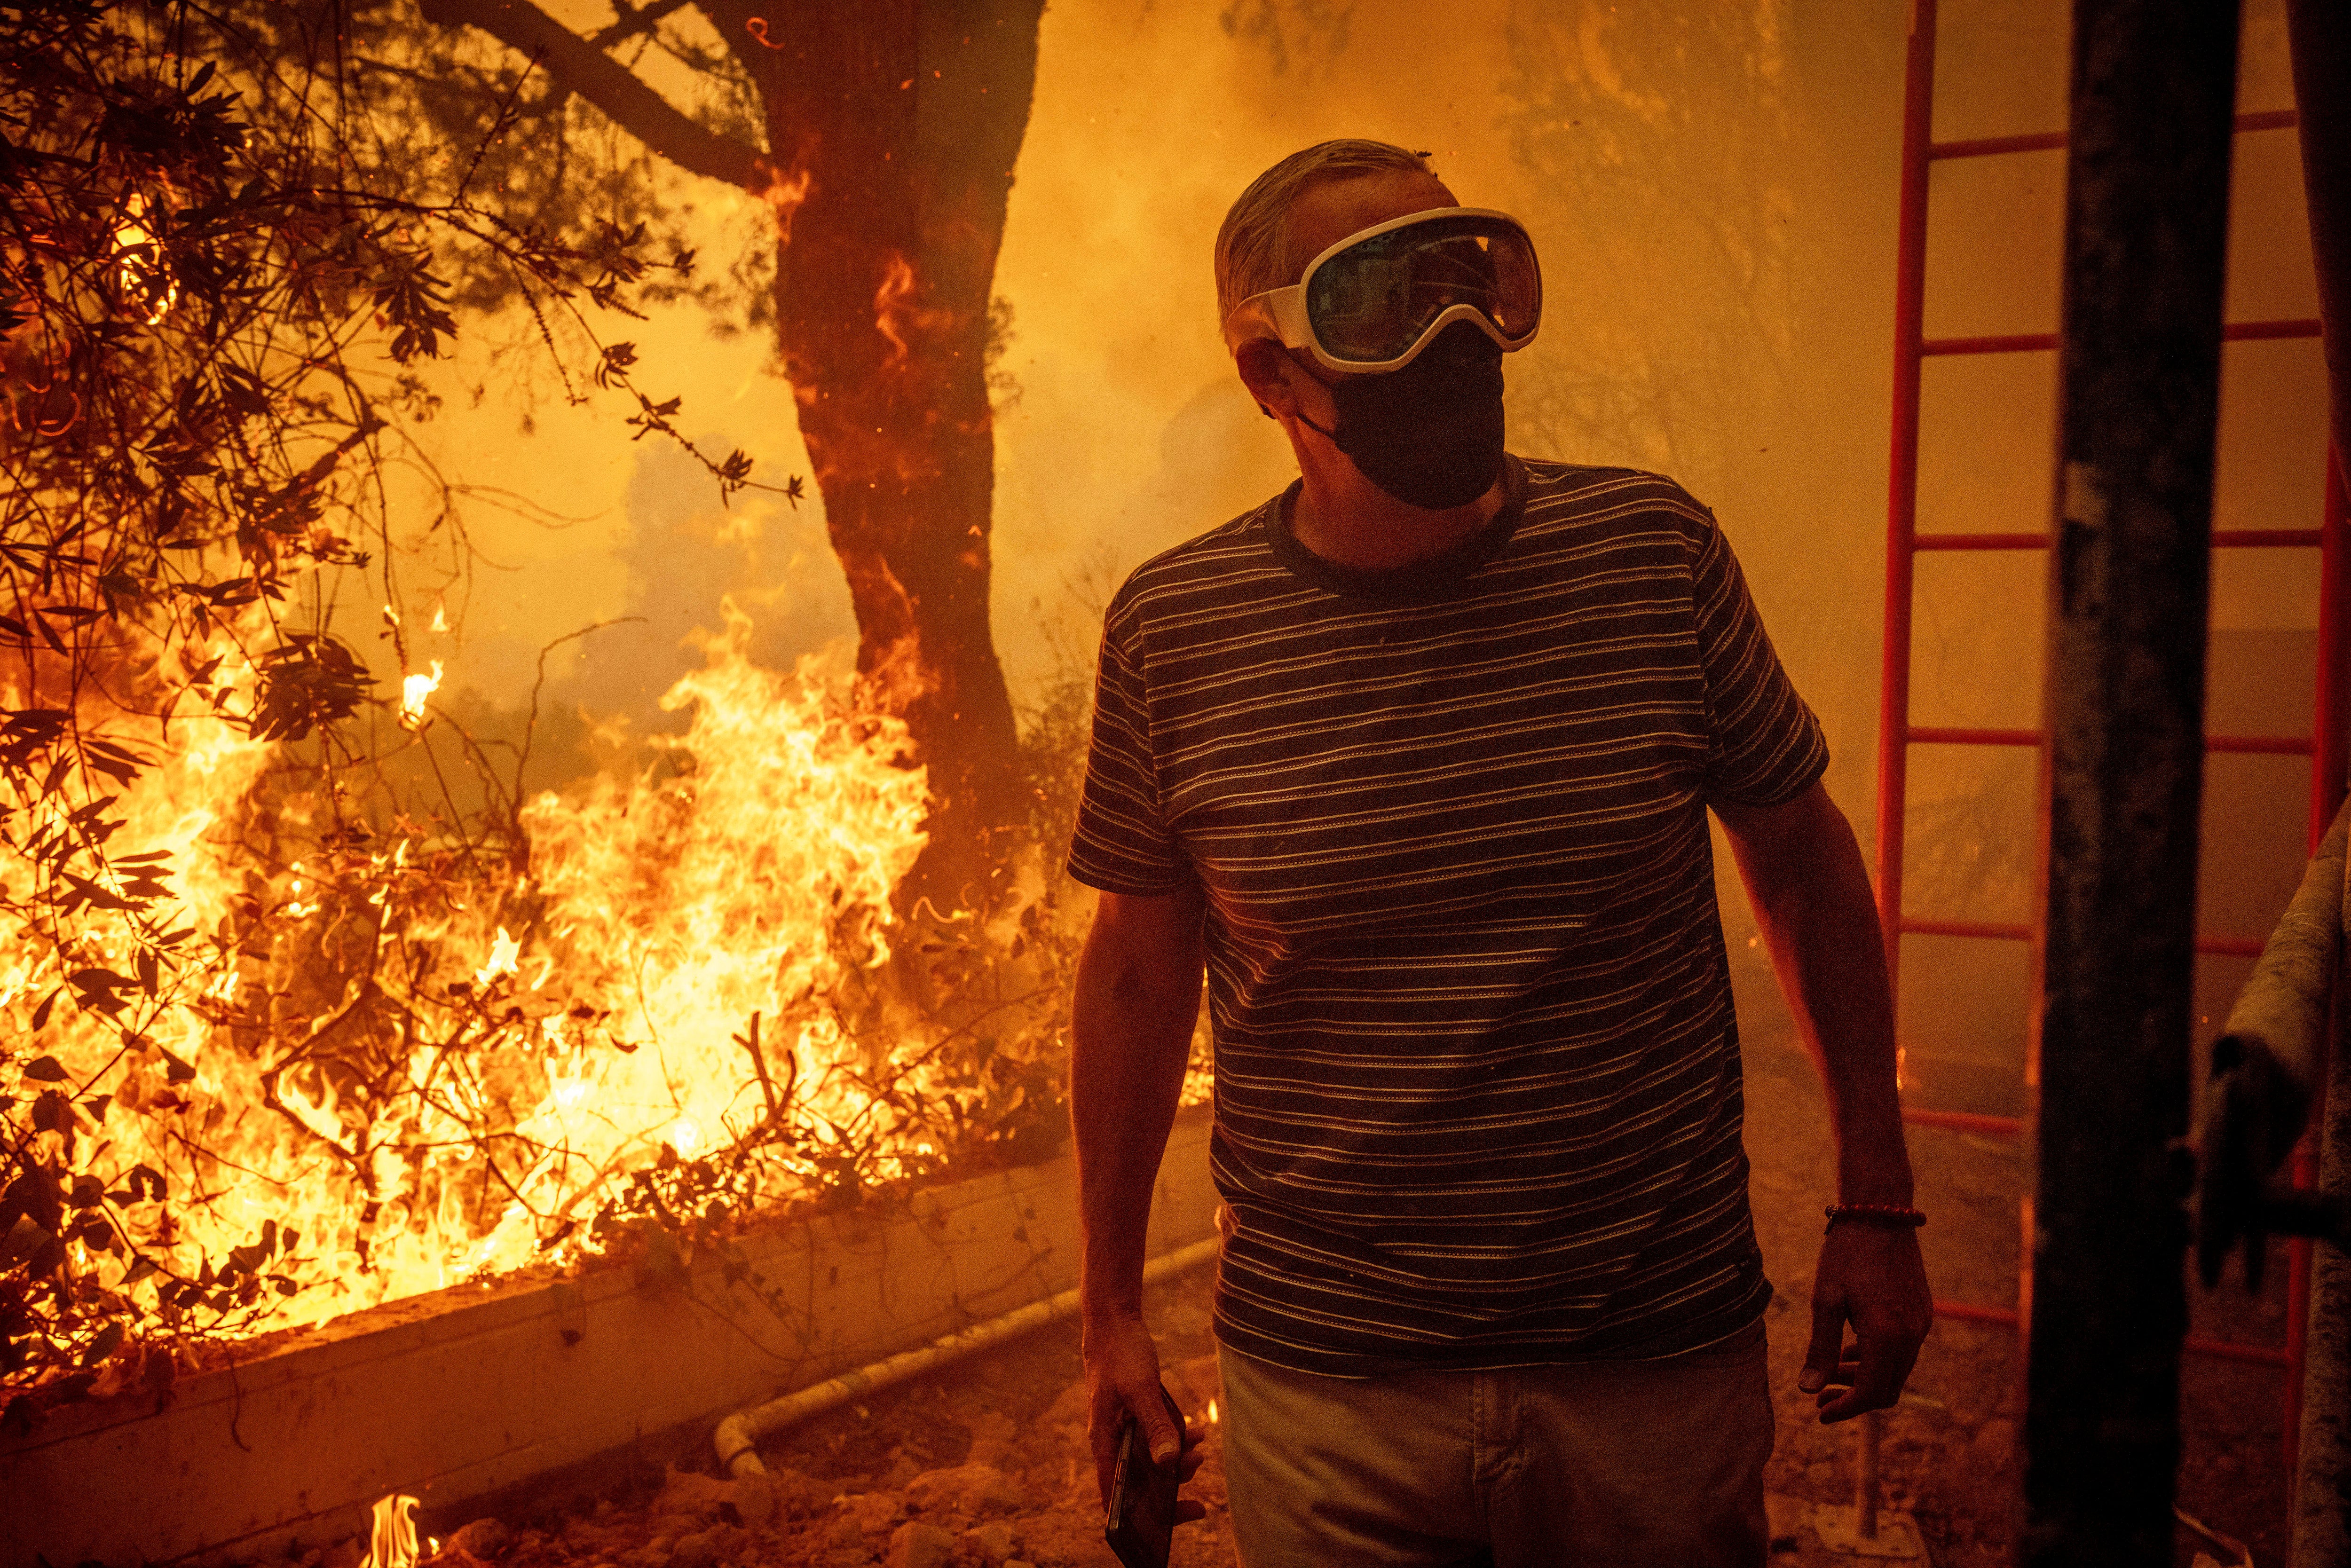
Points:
x=1122, y=843
x=1765, y=746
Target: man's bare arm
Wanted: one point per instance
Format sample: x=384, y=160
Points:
x=1138, y=992
x=1811, y=898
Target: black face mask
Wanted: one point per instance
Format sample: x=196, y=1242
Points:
x=1430, y=435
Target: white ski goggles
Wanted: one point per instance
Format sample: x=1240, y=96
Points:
x=1373, y=301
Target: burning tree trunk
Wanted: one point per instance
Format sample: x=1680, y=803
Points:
x=892, y=129
x=902, y=133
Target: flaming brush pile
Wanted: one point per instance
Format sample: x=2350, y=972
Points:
x=276, y=1044
x=391, y=1063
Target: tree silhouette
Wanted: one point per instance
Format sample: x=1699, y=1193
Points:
x=881, y=134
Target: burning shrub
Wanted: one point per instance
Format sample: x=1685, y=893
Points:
x=275, y=1044
x=268, y=1050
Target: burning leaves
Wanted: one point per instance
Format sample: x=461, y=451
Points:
x=674, y=1001
x=257, y=1041
x=145, y=274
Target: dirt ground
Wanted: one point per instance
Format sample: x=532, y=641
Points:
x=983, y=1467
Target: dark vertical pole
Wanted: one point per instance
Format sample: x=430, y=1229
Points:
x=2327, y=773
x=2319, y=1325
x=2146, y=205
x=2318, y=1312
x=2322, y=1488
x=2321, y=34
x=1902, y=484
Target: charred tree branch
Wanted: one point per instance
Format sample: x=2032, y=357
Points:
x=629, y=22
x=582, y=68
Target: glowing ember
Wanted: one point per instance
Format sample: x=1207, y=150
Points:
x=785, y=194
x=890, y=307
x=896, y=316
x=392, y=1539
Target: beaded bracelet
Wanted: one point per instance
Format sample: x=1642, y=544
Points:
x=1875, y=1213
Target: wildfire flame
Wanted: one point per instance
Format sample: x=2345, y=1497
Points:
x=592, y=1007
x=391, y=1538
x=505, y=952
x=890, y=306
x=785, y=194
x=895, y=315
x=413, y=690
x=143, y=271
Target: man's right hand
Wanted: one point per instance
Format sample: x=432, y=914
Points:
x=1122, y=1378
x=1138, y=990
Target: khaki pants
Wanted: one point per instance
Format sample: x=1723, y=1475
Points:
x=1587, y=1464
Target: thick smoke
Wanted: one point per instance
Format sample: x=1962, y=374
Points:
x=1713, y=191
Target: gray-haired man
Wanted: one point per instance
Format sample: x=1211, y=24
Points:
x=1416, y=759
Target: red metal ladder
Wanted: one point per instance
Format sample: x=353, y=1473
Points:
x=1897, y=734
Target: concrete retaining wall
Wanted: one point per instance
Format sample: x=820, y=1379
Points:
x=459, y=1394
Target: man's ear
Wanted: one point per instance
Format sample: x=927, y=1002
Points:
x=1264, y=370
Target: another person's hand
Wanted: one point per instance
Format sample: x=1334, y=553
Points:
x=1123, y=1376
x=1871, y=1277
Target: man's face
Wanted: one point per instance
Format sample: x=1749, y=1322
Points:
x=1429, y=434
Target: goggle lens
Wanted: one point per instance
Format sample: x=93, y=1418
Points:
x=1373, y=301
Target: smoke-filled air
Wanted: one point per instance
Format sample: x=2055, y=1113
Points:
x=681, y=837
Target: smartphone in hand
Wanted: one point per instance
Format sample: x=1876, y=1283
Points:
x=1141, y=1517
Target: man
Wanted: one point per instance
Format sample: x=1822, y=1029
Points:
x=1416, y=760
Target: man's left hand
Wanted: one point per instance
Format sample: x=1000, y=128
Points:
x=1871, y=1277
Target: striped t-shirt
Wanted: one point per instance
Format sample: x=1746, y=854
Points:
x=1476, y=1073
